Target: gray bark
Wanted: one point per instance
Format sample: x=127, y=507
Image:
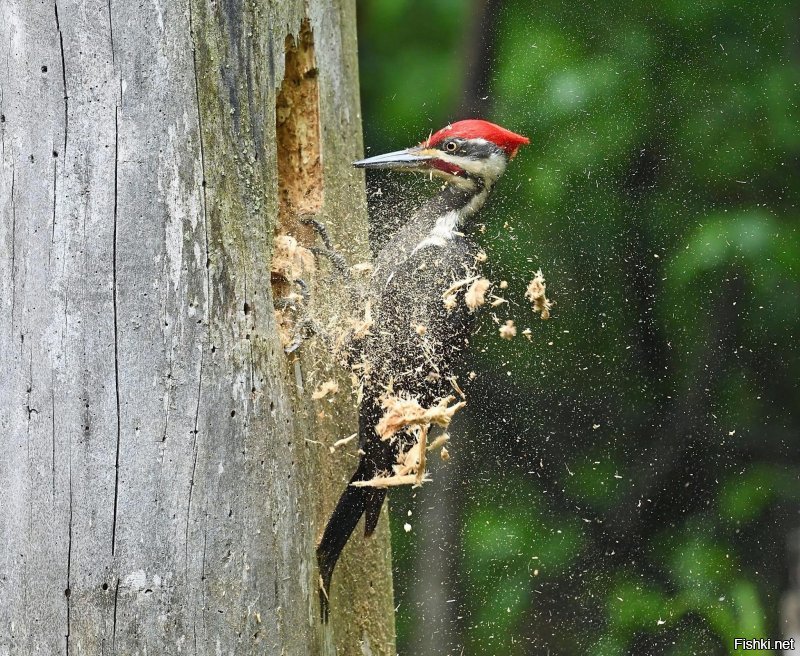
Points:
x=162, y=486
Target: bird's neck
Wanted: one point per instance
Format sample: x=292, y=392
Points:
x=452, y=208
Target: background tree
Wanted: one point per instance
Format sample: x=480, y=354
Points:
x=164, y=470
x=625, y=483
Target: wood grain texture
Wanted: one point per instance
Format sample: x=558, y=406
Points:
x=161, y=492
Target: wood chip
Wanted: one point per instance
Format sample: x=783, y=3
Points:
x=439, y=442
x=328, y=387
x=508, y=330
x=390, y=481
x=361, y=327
x=401, y=413
x=343, y=441
x=475, y=296
x=536, y=295
x=362, y=267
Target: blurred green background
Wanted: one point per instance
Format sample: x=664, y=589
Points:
x=627, y=482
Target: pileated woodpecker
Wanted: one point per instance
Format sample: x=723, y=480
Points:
x=416, y=336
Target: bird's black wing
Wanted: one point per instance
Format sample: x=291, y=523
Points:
x=412, y=347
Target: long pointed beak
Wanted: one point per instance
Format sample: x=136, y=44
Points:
x=409, y=159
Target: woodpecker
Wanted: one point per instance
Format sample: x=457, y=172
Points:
x=416, y=337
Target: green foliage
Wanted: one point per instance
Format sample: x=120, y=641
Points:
x=509, y=546
x=644, y=444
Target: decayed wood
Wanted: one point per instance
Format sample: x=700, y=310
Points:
x=161, y=478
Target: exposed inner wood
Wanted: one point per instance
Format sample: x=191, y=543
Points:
x=300, y=191
x=298, y=136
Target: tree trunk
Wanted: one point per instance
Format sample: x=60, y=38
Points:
x=164, y=472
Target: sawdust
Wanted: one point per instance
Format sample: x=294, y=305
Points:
x=400, y=413
x=439, y=442
x=404, y=414
x=449, y=298
x=290, y=260
x=508, y=330
x=391, y=481
x=362, y=267
x=342, y=442
x=458, y=284
x=360, y=327
x=454, y=382
x=535, y=293
x=475, y=296
x=328, y=387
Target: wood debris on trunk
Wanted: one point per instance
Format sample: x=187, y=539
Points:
x=328, y=387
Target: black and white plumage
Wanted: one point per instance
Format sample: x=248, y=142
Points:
x=416, y=339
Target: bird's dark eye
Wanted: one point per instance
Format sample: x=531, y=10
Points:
x=451, y=146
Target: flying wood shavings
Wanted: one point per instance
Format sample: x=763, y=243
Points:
x=454, y=382
x=536, y=295
x=408, y=414
x=362, y=267
x=328, y=387
x=407, y=462
x=361, y=326
x=439, y=442
x=401, y=413
x=422, y=448
x=475, y=296
x=458, y=284
x=449, y=299
x=343, y=441
x=294, y=298
x=508, y=330
x=390, y=481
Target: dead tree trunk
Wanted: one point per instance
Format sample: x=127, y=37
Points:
x=163, y=468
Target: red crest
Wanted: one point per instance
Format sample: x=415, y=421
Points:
x=478, y=129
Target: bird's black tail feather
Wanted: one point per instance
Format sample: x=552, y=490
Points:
x=377, y=457
x=373, y=510
x=354, y=502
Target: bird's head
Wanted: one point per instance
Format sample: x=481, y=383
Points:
x=462, y=153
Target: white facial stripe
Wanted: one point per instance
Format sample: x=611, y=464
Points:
x=490, y=168
x=457, y=180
